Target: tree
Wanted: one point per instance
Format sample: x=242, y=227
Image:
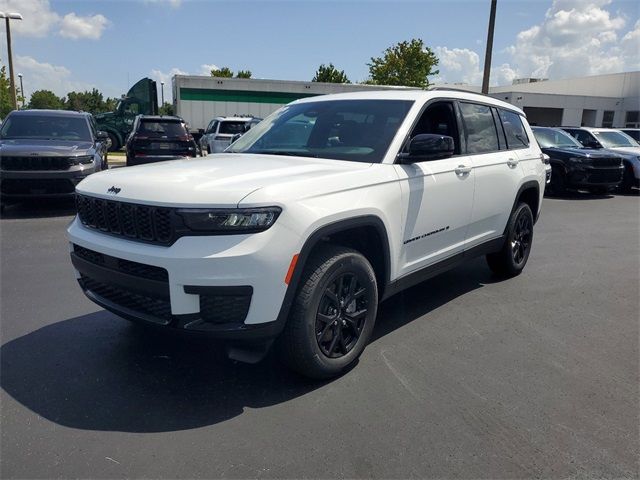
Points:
x=5, y=96
x=243, y=74
x=406, y=63
x=330, y=74
x=224, y=72
x=42, y=99
x=166, y=109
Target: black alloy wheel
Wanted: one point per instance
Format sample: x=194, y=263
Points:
x=521, y=242
x=341, y=315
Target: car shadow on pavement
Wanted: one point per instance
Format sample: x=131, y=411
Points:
x=43, y=208
x=98, y=372
x=577, y=195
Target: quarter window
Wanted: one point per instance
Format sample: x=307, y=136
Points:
x=481, y=132
x=514, y=130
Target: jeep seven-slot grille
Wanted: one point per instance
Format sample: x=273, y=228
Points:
x=129, y=220
x=613, y=162
x=34, y=163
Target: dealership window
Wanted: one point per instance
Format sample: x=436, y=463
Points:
x=632, y=119
x=607, y=119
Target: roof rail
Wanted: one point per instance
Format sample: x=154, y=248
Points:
x=453, y=89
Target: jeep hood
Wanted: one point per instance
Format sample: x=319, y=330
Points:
x=217, y=180
x=50, y=148
x=627, y=152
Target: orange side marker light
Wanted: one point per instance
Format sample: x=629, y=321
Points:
x=292, y=267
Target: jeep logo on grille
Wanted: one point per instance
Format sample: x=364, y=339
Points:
x=114, y=190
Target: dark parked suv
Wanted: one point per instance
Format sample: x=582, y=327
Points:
x=156, y=138
x=45, y=153
x=576, y=167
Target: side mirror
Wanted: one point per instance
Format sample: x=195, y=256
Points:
x=428, y=146
x=235, y=137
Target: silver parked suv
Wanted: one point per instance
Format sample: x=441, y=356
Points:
x=45, y=153
x=222, y=131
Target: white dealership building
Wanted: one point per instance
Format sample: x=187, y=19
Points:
x=599, y=101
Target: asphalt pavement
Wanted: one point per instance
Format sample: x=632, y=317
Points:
x=466, y=377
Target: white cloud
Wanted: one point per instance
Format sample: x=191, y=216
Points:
x=45, y=76
x=166, y=76
x=575, y=38
x=205, y=68
x=39, y=20
x=75, y=27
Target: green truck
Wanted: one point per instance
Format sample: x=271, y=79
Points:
x=142, y=98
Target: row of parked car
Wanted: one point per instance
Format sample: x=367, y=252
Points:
x=47, y=152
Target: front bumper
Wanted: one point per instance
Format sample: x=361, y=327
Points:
x=155, y=158
x=595, y=177
x=36, y=184
x=230, y=287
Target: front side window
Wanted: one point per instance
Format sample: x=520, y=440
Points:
x=438, y=118
x=482, y=135
x=46, y=127
x=514, y=130
x=352, y=130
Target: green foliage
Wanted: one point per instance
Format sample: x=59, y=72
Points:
x=406, y=63
x=243, y=74
x=5, y=98
x=224, y=72
x=46, y=99
x=330, y=74
x=166, y=109
x=92, y=102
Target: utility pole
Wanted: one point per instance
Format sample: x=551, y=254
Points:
x=21, y=90
x=12, y=81
x=488, y=52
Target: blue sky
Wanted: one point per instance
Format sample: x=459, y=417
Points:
x=66, y=45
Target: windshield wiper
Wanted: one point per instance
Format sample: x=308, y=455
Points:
x=287, y=153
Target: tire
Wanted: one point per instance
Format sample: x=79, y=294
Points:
x=115, y=143
x=558, y=185
x=328, y=328
x=513, y=256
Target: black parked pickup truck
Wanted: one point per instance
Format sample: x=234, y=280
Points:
x=575, y=167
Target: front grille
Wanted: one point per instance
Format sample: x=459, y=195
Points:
x=151, y=306
x=224, y=308
x=605, y=176
x=606, y=162
x=34, y=163
x=129, y=220
x=136, y=269
x=36, y=186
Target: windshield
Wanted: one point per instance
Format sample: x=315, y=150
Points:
x=155, y=128
x=615, y=139
x=354, y=130
x=46, y=127
x=550, y=138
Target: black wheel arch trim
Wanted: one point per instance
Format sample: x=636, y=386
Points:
x=316, y=238
x=531, y=184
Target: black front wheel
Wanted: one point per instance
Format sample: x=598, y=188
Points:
x=333, y=314
x=513, y=256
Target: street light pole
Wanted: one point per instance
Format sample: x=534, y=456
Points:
x=489, y=50
x=162, y=93
x=21, y=89
x=12, y=84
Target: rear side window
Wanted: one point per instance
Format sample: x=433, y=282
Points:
x=514, y=130
x=481, y=132
x=162, y=129
x=232, y=127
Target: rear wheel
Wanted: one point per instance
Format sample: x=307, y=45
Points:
x=333, y=314
x=513, y=256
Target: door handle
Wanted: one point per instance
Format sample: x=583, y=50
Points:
x=513, y=162
x=463, y=170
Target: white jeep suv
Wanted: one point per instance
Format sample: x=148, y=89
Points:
x=297, y=232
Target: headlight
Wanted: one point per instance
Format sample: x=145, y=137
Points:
x=82, y=160
x=229, y=221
